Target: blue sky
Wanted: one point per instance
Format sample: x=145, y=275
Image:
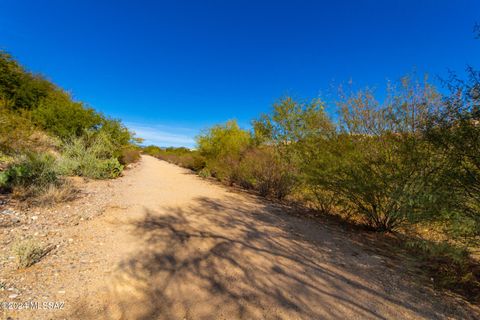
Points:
x=170, y=68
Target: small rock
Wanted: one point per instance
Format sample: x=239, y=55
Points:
x=7, y=212
x=13, y=296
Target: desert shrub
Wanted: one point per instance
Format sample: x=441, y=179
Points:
x=152, y=150
x=58, y=114
x=28, y=252
x=35, y=171
x=262, y=169
x=92, y=156
x=20, y=89
x=55, y=193
x=387, y=180
x=288, y=131
x=14, y=131
x=36, y=118
x=129, y=155
x=455, y=133
x=204, y=173
x=35, y=179
x=325, y=200
x=449, y=266
x=29, y=102
x=118, y=136
x=222, y=146
x=184, y=157
x=192, y=161
x=378, y=164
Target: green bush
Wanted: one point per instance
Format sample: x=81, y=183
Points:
x=204, y=173
x=222, y=147
x=36, y=171
x=184, y=157
x=287, y=133
x=388, y=180
x=378, y=164
x=450, y=266
x=36, y=119
x=152, y=150
x=14, y=132
x=192, y=161
x=20, y=89
x=129, y=155
x=262, y=169
x=118, y=136
x=454, y=132
x=62, y=117
x=92, y=156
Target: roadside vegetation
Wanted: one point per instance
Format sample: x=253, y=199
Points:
x=46, y=136
x=408, y=165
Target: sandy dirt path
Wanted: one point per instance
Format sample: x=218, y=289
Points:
x=171, y=245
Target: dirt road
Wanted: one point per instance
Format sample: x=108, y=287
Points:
x=171, y=245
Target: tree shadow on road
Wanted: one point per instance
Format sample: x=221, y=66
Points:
x=224, y=259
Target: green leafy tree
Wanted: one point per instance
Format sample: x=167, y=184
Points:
x=62, y=117
x=20, y=89
x=289, y=131
x=455, y=132
x=378, y=164
x=222, y=147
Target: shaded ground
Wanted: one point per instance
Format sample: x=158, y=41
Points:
x=175, y=246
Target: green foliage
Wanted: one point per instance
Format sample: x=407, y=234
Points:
x=152, y=150
x=450, y=266
x=222, y=147
x=292, y=122
x=62, y=117
x=117, y=134
x=91, y=155
x=385, y=179
x=183, y=157
x=20, y=89
x=129, y=155
x=14, y=131
x=377, y=164
x=33, y=170
x=38, y=116
x=455, y=134
x=263, y=169
x=223, y=140
x=204, y=173
x=289, y=131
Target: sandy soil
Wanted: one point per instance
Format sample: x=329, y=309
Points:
x=162, y=243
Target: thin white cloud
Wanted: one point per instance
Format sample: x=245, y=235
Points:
x=163, y=136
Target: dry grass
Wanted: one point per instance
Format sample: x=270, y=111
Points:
x=56, y=194
x=28, y=252
x=40, y=141
x=50, y=195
